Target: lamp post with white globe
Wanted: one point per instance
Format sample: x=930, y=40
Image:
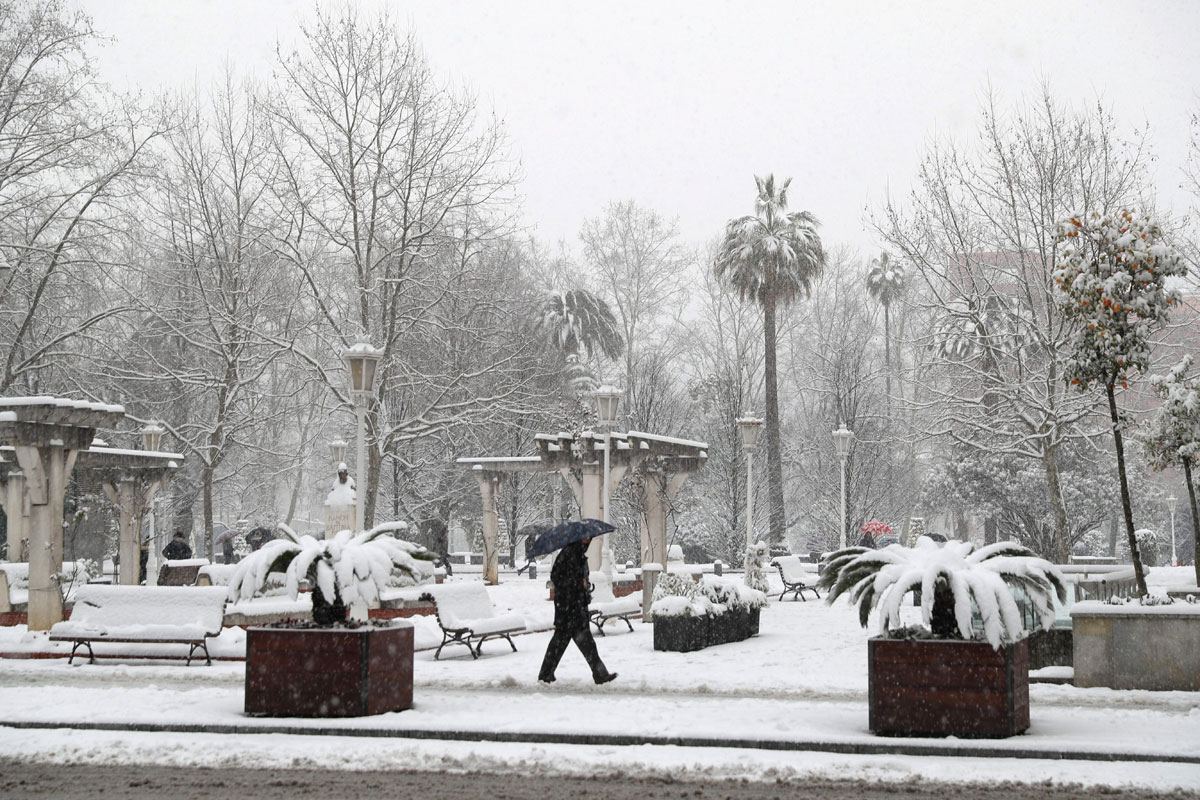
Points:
x=842, y=438
x=362, y=361
x=608, y=399
x=749, y=427
x=152, y=439
x=1171, y=501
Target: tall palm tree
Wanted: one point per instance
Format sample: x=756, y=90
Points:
x=885, y=282
x=771, y=258
x=576, y=321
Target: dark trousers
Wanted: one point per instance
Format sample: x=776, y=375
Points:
x=558, y=645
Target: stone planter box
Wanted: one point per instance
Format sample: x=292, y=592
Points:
x=328, y=672
x=684, y=634
x=1137, y=647
x=941, y=687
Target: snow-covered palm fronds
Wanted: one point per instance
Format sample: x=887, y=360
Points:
x=957, y=583
x=348, y=567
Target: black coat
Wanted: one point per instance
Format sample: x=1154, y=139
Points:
x=571, y=588
x=177, y=550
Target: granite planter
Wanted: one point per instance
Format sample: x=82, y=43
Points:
x=680, y=634
x=683, y=633
x=328, y=672
x=1132, y=646
x=947, y=687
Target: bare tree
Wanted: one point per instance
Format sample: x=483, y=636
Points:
x=640, y=263
x=978, y=235
x=393, y=190
x=68, y=150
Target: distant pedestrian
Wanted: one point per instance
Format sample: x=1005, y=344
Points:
x=258, y=537
x=225, y=540
x=572, y=593
x=177, y=549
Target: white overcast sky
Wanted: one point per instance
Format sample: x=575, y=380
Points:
x=678, y=104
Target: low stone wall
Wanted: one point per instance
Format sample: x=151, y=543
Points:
x=1132, y=646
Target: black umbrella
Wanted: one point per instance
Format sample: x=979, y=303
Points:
x=543, y=539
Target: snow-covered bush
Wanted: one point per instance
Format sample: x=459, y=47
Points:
x=956, y=581
x=676, y=595
x=341, y=570
x=730, y=594
x=756, y=565
x=673, y=584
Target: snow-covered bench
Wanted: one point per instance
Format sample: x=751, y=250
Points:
x=606, y=606
x=14, y=583
x=180, y=572
x=466, y=615
x=144, y=614
x=795, y=576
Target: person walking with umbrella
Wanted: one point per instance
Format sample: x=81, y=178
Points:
x=572, y=593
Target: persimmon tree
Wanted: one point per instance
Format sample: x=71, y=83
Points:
x=1112, y=271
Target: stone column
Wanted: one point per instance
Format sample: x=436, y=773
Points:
x=590, y=508
x=491, y=526
x=46, y=471
x=16, y=509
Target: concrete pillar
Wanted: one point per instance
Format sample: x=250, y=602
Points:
x=590, y=508
x=16, y=509
x=491, y=526
x=46, y=471
x=131, y=497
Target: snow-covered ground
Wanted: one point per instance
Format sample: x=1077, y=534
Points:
x=801, y=684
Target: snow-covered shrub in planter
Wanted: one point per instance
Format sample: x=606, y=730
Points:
x=920, y=675
x=756, y=567
x=688, y=616
x=341, y=570
x=332, y=668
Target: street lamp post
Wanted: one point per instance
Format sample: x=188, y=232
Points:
x=1171, y=501
x=361, y=362
x=151, y=441
x=749, y=428
x=337, y=451
x=608, y=399
x=841, y=442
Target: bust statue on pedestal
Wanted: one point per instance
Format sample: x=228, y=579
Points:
x=339, y=503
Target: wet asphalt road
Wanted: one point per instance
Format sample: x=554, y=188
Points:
x=71, y=782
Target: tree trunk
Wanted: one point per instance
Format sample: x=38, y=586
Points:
x=1126, y=507
x=776, y=515
x=1187, y=476
x=207, y=482
x=1062, y=550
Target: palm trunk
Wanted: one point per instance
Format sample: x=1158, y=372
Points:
x=1126, y=507
x=1187, y=476
x=776, y=515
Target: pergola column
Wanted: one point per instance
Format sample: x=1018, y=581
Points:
x=16, y=512
x=488, y=486
x=46, y=468
x=658, y=494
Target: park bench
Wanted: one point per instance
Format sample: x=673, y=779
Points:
x=466, y=614
x=180, y=572
x=794, y=576
x=143, y=614
x=14, y=583
x=606, y=606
